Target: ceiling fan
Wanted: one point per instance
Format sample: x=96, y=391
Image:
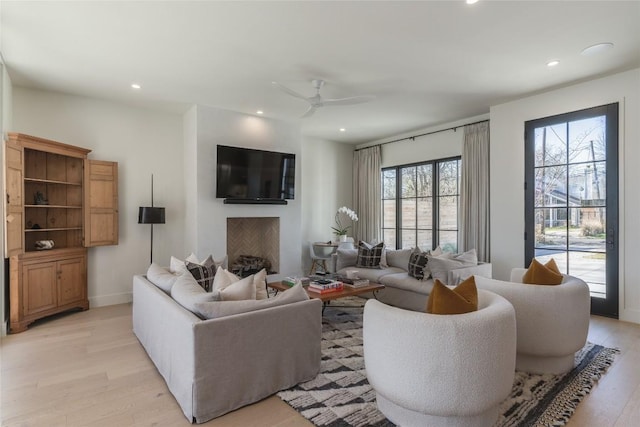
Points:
x=318, y=101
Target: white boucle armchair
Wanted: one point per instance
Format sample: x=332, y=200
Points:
x=552, y=321
x=440, y=370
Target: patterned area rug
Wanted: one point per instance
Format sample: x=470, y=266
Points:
x=341, y=396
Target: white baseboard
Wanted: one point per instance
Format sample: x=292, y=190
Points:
x=113, y=299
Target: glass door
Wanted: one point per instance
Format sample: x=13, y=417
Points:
x=571, y=198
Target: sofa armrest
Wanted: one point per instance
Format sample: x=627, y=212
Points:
x=165, y=330
x=454, y=277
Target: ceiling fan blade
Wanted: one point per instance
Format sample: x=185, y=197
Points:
x=349, y=101
x=289, y=91
x=309, y=112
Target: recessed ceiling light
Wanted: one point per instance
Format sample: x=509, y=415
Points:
x=596, y=49
x=343, y=130
x=135, y=86
x=259, y=112
x=553, y=63
x=472, y=1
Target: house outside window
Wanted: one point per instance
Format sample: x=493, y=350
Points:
x=420, y=205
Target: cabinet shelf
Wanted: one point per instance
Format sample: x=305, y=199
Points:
x=51, y=181
x=29, y=230
x=53, y=206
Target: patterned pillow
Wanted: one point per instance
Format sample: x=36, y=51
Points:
x=417, y=263
x=203, y=273
x=369, y=256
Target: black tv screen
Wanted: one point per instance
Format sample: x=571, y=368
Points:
x=244, y=173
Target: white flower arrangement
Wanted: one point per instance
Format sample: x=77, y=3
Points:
x=341, y=230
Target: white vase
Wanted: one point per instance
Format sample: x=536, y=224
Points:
x=343, y=238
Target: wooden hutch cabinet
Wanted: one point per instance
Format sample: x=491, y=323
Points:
x=54, y=195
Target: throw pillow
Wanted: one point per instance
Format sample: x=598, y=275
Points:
x=551, y=264
x=417, y=263
x=178, y=266
x=346, y=258
x=203, y=273
x=215, y=309
x=223, y=278
x=187, y=292
x=369, y=255
x=462, y=299
x=539, y=274
x=243, y=289
x=161, y=277
x=260, y=282
x=439, y=266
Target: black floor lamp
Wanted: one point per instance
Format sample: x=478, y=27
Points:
x=151, y=215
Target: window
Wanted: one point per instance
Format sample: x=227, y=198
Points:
x=420, y=205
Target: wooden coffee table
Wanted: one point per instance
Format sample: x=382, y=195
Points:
x=326, y=298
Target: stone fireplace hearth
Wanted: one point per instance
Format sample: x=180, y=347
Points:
x=254, y=237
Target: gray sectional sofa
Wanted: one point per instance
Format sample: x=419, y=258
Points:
x=217, y=365
x=401, y=289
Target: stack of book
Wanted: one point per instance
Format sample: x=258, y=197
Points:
x=325, y=286
x=290, y=281
x=355, y=283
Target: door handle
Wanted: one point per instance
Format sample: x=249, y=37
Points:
x=610, y=238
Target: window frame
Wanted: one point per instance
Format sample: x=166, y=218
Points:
x=435, y=202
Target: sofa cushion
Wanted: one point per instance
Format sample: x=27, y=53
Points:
x=539, y=274
x=407, y=283
x=161, y=277
x=462, y=299
x=417, y=263
x=397, y=258
x=346, y=258
x=215, y=309
x=369, y=255
x=187, y=292
x=373, y=274
x=439, y=266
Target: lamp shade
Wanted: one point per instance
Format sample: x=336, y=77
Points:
x=150, y=215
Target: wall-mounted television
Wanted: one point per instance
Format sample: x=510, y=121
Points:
x=245, y=175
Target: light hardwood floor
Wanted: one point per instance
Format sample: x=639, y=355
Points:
x=88, y=369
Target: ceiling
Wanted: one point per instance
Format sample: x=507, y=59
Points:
x=427, y=63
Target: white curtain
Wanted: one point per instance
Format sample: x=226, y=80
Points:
x=474, y=191
x=367, y=193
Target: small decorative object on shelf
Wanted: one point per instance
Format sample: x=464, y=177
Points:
x=39, y=199
x=340, y=230
x=43, y=245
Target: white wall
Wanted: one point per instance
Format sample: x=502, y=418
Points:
x=143, y=142
x=507, y=173
x=326, y=185
x=216, y=126
x=6, y=101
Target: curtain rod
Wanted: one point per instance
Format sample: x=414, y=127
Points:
x=454, y=128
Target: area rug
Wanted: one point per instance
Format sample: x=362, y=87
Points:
x=341, y=396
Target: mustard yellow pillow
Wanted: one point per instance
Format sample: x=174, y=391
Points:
x=539, y=274
x=462, y=299
x=551, y=265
